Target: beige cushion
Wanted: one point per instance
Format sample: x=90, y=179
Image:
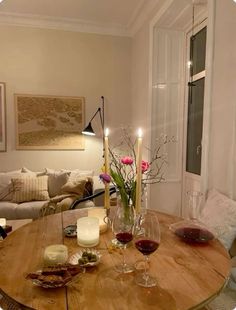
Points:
x=6, y=188
x=79, y=186
x=56, y=179
x=30, y=188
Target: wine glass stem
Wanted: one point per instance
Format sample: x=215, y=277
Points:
x=146, y=268
x=123, y=252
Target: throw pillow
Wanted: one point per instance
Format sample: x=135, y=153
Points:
x=30, y=188
x=56, y=179
x=81, y=186
x=37, y=173
x=6, y=188
x=77, y=174
x=219, y=214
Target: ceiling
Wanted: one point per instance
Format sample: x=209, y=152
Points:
x=118, y=17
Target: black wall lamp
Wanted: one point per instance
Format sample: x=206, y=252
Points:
x=88, y=130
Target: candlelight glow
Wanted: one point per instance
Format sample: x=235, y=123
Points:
x=106, y=132
x=140, y=133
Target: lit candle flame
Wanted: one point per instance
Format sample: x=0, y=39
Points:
x=106, y=132
x=140, y=133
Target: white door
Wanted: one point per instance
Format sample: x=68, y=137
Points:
x=194, y=111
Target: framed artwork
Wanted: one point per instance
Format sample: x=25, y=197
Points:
x=3, y=147
x=49, y=122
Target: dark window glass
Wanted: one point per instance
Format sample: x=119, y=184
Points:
x=198, y=51
x=194, y=130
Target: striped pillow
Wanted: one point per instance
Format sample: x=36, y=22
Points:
x=30, y=188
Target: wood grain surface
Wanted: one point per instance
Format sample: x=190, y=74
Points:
x=188, y=275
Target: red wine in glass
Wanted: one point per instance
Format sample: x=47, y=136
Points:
x=146, y=246
x=147, y=241
x=122, y=227
x=124, y=237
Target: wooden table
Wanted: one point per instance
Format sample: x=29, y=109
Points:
x=188, y=275
x=15, y=224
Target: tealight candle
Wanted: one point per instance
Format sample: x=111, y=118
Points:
x=88, y=231
x=55, y=254
x=3, y=222
x=99, y=213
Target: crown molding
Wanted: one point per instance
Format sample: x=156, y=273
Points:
x=140, y=15
x=137, y=19
x=67, y=24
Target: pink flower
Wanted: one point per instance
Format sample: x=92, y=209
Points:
x=145, y=166
x=127, y=160
x=105, y=178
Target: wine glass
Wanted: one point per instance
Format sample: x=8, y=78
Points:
x=122, y=227
x=147, y=241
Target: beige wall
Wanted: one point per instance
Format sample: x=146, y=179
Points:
x=52, y=62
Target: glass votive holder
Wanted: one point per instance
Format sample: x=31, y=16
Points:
x=88, y=231
x=3, y=222
x=100, y=213
x=55, y=254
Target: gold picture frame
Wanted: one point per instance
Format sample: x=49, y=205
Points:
x=49, y=122
x=3, y=144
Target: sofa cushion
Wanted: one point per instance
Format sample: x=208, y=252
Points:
x=12, y=211
x=56, y=179
x=6, y=188
x=219, y=214
x=30, y=189
x=81, y=186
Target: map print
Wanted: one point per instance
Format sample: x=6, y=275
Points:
x=48, y=122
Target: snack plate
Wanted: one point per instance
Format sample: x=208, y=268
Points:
x=74, y=259
x=52, y=285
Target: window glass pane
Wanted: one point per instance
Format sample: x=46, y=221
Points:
x=198, y=51
x=194, y=131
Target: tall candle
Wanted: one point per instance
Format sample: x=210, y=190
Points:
x=139, y=172
x=107, y=170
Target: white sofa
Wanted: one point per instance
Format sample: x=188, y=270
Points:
x=60, y=187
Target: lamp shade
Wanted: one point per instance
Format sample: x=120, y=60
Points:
x=88, y=130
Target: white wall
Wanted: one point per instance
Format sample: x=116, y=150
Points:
x=222, y=154
x=63, y=63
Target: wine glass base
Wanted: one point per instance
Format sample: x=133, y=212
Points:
x=118, y=244
x=145, y=280
x=126, y=268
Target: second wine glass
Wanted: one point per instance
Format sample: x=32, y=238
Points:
x=122, y=227
x=147, y=241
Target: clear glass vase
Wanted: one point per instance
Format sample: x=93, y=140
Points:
x=192, y=230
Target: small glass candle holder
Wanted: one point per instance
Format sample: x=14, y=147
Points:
x=100, y=213
x=55, y=254
x=3, y=222
x=88, y=231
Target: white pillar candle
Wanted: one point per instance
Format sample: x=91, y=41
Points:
x=107, y=170
x=3, y=222
x=99, y=213
x=139, y=172
x=88, y=231
x=55, y=254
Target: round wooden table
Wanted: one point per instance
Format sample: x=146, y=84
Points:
x=188, y=276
